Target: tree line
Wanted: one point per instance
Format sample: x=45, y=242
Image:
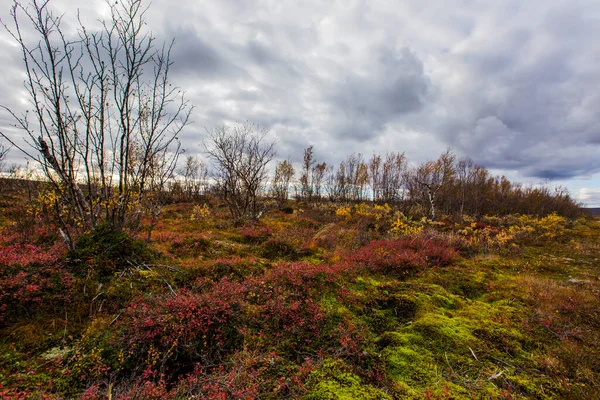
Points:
x=448, y=185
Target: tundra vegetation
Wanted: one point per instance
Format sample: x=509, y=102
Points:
x=131, y=278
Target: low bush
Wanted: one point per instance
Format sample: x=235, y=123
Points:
x=171, y=333
x=107, y=251
x=255, y=234
x=190, y=246
x=403, y=256
x=32, y=278
x=275, y=248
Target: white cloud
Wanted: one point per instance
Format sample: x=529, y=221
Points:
x=589, y=196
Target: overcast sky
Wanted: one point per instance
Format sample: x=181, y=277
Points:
x=515, y=85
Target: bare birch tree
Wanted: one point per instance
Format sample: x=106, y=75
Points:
x=318, y=174
x=431, y=177
x=193, y=178
x=240, y=155
x=306, y=184
x=280, y=187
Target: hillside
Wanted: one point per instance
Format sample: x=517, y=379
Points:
x=322, y=301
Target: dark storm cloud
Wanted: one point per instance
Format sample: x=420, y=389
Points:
x=198, y=59
x=393, y=85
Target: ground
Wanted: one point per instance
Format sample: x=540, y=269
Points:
x=317, y=302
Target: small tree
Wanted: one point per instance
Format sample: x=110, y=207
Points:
x=104, y=119
x=375, y=176
x=284, y=173
x=306, y=185
x=432, y=176
x=318, y=174
x=194, y=178
x=464, y=166
x=392, y=176
x=240, y=156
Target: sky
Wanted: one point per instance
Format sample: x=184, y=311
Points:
x=513, y=84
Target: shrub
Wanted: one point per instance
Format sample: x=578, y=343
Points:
x=276, y=248
x=234, y=268
x=200, y=213
x=107, y=251
x=255, y=233
x=172, y=332
x=402, y=226
x=284, y=309
x=31, y=277
x=32, y=289
x=401, y=256
x=190, y=246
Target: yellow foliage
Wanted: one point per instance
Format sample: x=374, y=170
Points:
x=200, y=213
x=552, y=226
x=343, y=211
x=364, y=210
x=381, y=211
x=503, y=231
x=147, y=274
x=376, y=211
x=402, y=226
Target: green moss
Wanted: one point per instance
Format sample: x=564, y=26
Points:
x=348, y=387
x=539, y=387
x=444, y=332
x=394, y=339
x=415, y=367
x=334, y=381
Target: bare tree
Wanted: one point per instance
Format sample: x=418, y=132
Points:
x=375, y=176
x=193, y=178
x=104, y=119
x=337, y=183
x=361, y=181
x=306, y=185
x=351, y=165
x=3, y=153
x=240, y=155
x=392, y=177
x=464, y=168
x=317, y=176
x=284, y=173
x=430, y=177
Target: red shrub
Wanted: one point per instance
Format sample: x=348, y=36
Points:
x=31, y=279
x=284, y=308
x=189, y=246
x=403, y=255
x=20, y=254
x=147, y=390
x=250, y=375
x=301, y=276
x=239, y=381
x=185, y=327
x=255, y=233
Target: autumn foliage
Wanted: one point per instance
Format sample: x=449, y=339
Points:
x=358, y=298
